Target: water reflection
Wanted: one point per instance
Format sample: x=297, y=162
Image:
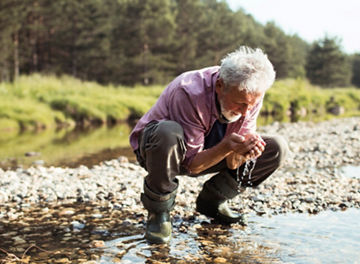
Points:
x=65, y=148
x=75, y=147
x=76, y=233
x=70, y=234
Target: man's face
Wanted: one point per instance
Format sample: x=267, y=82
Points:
x=235, y=103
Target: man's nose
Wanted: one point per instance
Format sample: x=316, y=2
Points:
x=244, y=109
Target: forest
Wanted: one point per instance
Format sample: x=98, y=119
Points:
x=148, y=42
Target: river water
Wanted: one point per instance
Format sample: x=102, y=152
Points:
x=69, y=147
x=75, y=233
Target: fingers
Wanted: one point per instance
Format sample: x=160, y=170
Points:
x=259, y=138
x=260, y=146
x=252, y=145
x=256, y=150
x=238, y=138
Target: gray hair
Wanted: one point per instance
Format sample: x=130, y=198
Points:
x=249, y=69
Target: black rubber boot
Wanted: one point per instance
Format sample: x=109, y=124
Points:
x=159, y=225
x=212, y=200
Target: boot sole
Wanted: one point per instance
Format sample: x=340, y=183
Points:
x=151, y=239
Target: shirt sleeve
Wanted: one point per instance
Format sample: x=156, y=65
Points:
x=184, y=110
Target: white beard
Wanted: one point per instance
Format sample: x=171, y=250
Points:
x=229, y=115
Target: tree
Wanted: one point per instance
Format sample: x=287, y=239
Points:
x=216, y=36
x=79, y=40
x=278, y=48
x=327, y=65
x=133, y=41
x=143, y=33
x=189, y=21
x=299, y=50
x=356, y=70
x=13, y=15
x=287, y=53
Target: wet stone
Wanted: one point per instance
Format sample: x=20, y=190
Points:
x=97, y=243
x=67, y=211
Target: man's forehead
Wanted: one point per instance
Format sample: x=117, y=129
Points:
x=246, y=96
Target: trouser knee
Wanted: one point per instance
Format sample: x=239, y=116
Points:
x=162, y=149
x=169, y=133
x=279, y=149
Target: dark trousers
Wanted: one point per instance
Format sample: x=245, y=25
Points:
x=162, y=150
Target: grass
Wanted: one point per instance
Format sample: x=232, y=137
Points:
x=37, y=102
x=302, y=97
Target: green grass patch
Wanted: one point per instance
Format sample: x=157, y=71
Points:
x=38, y=101
x=301, y=97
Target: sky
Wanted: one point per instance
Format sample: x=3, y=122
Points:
x=309, y=19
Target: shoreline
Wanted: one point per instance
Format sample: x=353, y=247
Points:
x=308, y=182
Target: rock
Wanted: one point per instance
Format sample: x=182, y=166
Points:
x=309, y=199
x=220, y=260
x=98, y=215
x=123, y=160
x=336, y=110
x=18, y=240
x=97, y=243
x=67, y=211
x=32, y=154
x=76, y=225
x=63, y=260
x=38, y=163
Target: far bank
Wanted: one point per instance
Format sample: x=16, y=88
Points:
x=39, y=102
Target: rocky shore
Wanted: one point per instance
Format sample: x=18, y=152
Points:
x=310, y=181
x=92, y=215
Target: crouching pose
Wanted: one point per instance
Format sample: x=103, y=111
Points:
x=205, y=122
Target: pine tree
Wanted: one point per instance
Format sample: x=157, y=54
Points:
x=356, y=70
x=327, y=65
x=13, y=15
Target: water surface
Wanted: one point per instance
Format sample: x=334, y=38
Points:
x=351, y=171
x=74, y=233
x=65, y=148
x=72, y=148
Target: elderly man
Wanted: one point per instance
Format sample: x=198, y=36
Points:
x=205, y=122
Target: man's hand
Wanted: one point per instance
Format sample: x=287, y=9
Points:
x=234, y=160
x=259, y=147
x=251, y=144
x=249, y=147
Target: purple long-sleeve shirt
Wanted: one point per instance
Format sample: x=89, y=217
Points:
x=190, y=101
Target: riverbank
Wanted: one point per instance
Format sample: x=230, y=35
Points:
x=310, y=181
x=40, y=102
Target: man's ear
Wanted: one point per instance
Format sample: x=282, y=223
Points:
x=219, y=86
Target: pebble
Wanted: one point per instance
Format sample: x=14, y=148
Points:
x=68, y=211
x=220, y=260
x=97, y=243
x=308, y=181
